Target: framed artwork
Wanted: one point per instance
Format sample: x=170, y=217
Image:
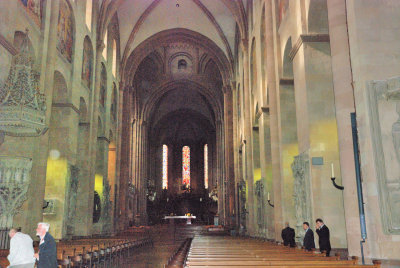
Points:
x=87, y=62
x=65, y=30
x=34, y=8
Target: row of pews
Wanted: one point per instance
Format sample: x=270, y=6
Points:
x=92, y=252
x=231, y=252
x=98, y=252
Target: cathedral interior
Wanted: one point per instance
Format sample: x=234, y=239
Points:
x=246, y=114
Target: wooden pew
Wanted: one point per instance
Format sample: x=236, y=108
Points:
x=233, y=252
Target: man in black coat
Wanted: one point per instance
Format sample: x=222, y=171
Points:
x=288, y=236
x=47, y=256
x=324, y=240
x=308, y=242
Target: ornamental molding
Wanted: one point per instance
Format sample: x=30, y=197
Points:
x=66, y=105
x=102, y=138
x=383, y=102
x=307, y=38
x=286, y=81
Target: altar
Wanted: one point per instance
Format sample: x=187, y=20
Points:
x=172, y=218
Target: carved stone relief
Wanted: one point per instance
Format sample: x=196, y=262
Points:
x=384, y=116
x=15, y=177
x=22, y=106
x=301, y=194
x=106, y=217
x=242, y=203
x=73, y=192
x=259, y=190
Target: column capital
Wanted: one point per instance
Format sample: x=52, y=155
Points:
x=233, y=84
x=226, y=89
x=143, y=123
x=121, y=85
x=244, y=43
x=100, y=45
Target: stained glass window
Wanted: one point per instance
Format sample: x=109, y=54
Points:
x=206, y=166
x=165, y=167
x=186, y=165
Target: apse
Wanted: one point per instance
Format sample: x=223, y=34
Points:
x=180, y=128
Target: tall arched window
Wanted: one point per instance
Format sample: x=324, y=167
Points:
x=186, y=165
x=114, y=58
x=165, y=167
x=88, y=18
x=206, y=166
x=103, y=85
x=105, y=45
x=182, y=64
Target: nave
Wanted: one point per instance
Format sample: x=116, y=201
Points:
x=249, y=114
x=157, y=247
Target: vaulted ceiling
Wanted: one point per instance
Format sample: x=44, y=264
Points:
x=140, y=19
x=153, y=34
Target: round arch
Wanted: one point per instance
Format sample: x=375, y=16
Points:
x=174, y=35
x=210, y=96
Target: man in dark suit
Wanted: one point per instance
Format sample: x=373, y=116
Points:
x=288, y=236
x=324, y=240
x=47, y=256
x=308, y=242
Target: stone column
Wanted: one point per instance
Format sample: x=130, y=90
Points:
x=235, y=150
x=317, y=129
x=94, y=112
x=83, y=164
x=273, y=108
x=105, y=219
x=229, y=163
x=220, y=173
x=344, y=105
x=46, y=82
x=123, y=157
x=118, y=145
x=266, y=169
x=136, y=136
x=247, y=137
x=143, y=161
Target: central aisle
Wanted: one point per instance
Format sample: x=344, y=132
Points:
x=164, y=246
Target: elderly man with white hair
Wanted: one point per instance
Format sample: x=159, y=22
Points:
x=47, y=256
x=21, y=250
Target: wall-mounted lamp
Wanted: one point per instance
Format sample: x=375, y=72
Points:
x=269, y=201
x=333, y=179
